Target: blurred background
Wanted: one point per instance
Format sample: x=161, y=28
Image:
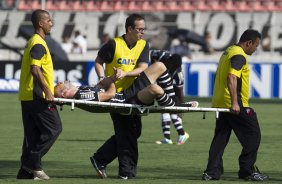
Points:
x=199, y=30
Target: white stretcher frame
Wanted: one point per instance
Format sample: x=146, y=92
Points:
x=138, y=109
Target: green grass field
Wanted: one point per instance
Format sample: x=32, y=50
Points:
x=68, y=160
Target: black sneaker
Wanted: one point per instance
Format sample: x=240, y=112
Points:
x=256, y=177
x=189, y=104
x=100, y=169
x=23, y=174
x=38, y=174
x=207, y=177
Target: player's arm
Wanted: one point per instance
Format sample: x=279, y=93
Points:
x=139, y=69
x=179, y=93
x=107, y=82
x=108, y=94
x=108, y=85
x=178, y=85
x=237, y=63
x=36, y=53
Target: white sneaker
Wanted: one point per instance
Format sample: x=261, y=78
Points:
x=123, y=177
x=183, y=138
x=37, y=175
x=164, y=141
x=40, y=175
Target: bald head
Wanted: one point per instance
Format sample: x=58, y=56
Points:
x=37, y=16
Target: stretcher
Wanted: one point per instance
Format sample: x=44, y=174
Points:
x=124, y=108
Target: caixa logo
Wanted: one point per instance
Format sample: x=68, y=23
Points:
x=9, y=85
x=125, y=61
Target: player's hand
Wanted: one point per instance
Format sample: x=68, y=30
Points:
x=49, y=97
x=119, y=73
x=235, y=109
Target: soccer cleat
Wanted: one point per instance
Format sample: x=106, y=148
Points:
x=164, y=141
x=189, y=104
x=100, y=169
x=207, y=177
x=183, y=138
x=37, y=175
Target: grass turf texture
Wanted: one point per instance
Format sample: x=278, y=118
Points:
x=68, y=160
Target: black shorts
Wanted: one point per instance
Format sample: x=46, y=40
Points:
x=139, y=83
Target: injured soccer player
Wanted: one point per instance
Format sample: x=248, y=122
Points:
x=153, y=83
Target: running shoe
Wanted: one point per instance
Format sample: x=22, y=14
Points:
x=164, y=141
x=100, y=169
x=255, y=176
x=37, y=174
x=207, y=177
x=183, y=138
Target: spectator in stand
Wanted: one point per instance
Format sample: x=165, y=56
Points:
x=80, y=42
x=76, y=48
x=66, y=44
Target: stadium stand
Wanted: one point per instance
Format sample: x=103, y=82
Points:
x=150, y=5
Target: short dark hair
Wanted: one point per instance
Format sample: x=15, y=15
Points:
x=130, y=21
x=37, y=16
x=250, y=34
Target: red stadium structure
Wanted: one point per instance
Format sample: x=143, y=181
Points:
x=145, y=5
